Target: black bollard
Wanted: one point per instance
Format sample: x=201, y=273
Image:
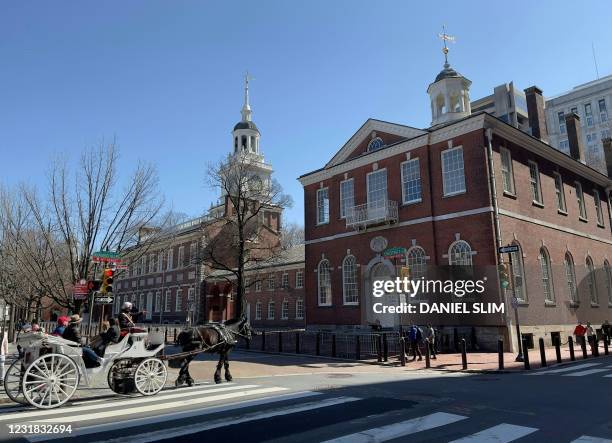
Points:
x=427, y=357
x=570, y=342
x=263, y=340
x=402, y=351
x=280, y=341
x=606, y=338
x=500, y=354
x=463, y=353
x=248, y=343
x=385, y=348
x=357, y=348
x=333, y=345
x=558, y=348
x=297, y=342
x=595, y=349
x=166, y=335
x=318, y=344
x=379, y=348
x=526, y=355
x=542, y=353
x=585, y=355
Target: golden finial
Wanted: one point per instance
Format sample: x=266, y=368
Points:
x=445, y=37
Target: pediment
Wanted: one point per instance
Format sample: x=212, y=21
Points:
x=357, y=145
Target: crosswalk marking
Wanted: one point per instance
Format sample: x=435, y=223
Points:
x=200, y=412
x=568, y=369
x=502, y=433
x=181, y=431
x=131, y=401
x=608, y=376
x=588, y=439
x=397, y=430
x=587, y=372
x=160, y=407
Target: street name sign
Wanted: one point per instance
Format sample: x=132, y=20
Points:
x=508, y=249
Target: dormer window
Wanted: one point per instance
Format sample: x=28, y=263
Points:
x=375, y=144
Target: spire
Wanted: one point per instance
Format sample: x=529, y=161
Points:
x=445, y=37
x=246, y=108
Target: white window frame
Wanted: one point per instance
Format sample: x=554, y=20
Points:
x=271, y=310
x=258, y=309
x=345, y=202
x=350, y=282
x=591, y=281
x=560, y=193
x=178, y=300
x=546, y=276
x=570, y=277
x=285, y=280
x=158, y=304
x=582, y=212
x=328, y=296
x=405, y=181
x=445, y=184
x=258, y=285
x=271, y=281
x=193, y=247
x=417, y=267
x=608, y=277
x=299, y=279
x=285, y=309
x=323, y=208
x=470, y=253
x=168, y=301
x=378, y=202
x=299, y=309
x=181, y=257
x=561, y=121
x=507, y=170
x=518, y=273
x=535, y=182
x=588, y=115
x=170, y=259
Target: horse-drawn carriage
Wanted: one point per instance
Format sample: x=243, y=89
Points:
x=50, y=369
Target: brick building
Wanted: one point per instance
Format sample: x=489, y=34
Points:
x=451, y=194
x=168, y=277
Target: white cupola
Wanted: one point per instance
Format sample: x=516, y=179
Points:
x=449, y=93
x=245, y=133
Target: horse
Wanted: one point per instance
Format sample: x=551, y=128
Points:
x=211, y=338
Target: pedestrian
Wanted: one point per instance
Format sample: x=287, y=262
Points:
x=62, y=322
x=73, y=333
x=590, y=333
x=415, y=335
x=606, y=328
x=430, y=335
x=3, y=352
x=579, y=332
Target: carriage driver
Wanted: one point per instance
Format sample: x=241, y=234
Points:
x=127, y=317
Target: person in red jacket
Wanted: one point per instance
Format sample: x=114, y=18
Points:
x=579, y=332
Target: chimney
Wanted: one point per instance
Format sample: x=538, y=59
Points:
x=535, y=112
x=574, y=136
x=607, y=147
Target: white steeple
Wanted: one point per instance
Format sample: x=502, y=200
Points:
x=246, y=108
x=449, y=93
x=245, y=134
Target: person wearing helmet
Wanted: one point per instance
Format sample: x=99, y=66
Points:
x=127, y=316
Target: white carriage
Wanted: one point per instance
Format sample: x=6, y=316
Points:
x=50, y=369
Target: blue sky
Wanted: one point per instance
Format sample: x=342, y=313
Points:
x=165, y=77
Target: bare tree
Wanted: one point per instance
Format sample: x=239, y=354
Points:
x=242, y=234
x=292, y=235
x=86, y=210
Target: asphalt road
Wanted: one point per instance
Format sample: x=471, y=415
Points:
x=560, y=404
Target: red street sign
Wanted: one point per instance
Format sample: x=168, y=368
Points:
x=80, y=291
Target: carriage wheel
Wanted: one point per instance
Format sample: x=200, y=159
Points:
x=12, y=382
x=150, y=376
x=50, y=381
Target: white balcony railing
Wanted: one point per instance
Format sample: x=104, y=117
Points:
x=372, y=213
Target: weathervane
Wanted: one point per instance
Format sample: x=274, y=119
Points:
x=445, y=37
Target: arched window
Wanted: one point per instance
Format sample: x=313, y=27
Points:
x=235, y=144
x=440, y=105
x=570, y=277
x=349, y=280
x=518, y=273
x=375, y=144
x=592, y=284
x=415, y=259
x=547, y=283
x=460, y=254
x=608, y=277
x=324, y=276
x=456, y=103
x=243, y=143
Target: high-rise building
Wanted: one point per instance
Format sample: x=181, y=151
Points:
x=591, y=101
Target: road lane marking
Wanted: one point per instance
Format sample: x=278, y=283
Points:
x=33, y=414
x=190, y=429
x=571, y=368
x=159, y=407
x=608, y=376
x=400, y=429
x=502, y=433
x=202, y=412
x=587, y=372
x=589, y=439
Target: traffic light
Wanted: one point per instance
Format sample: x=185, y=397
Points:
x=504, y=275
x=107, y=281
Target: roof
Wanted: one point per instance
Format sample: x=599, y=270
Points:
x=447, y=72
x=246, y=125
